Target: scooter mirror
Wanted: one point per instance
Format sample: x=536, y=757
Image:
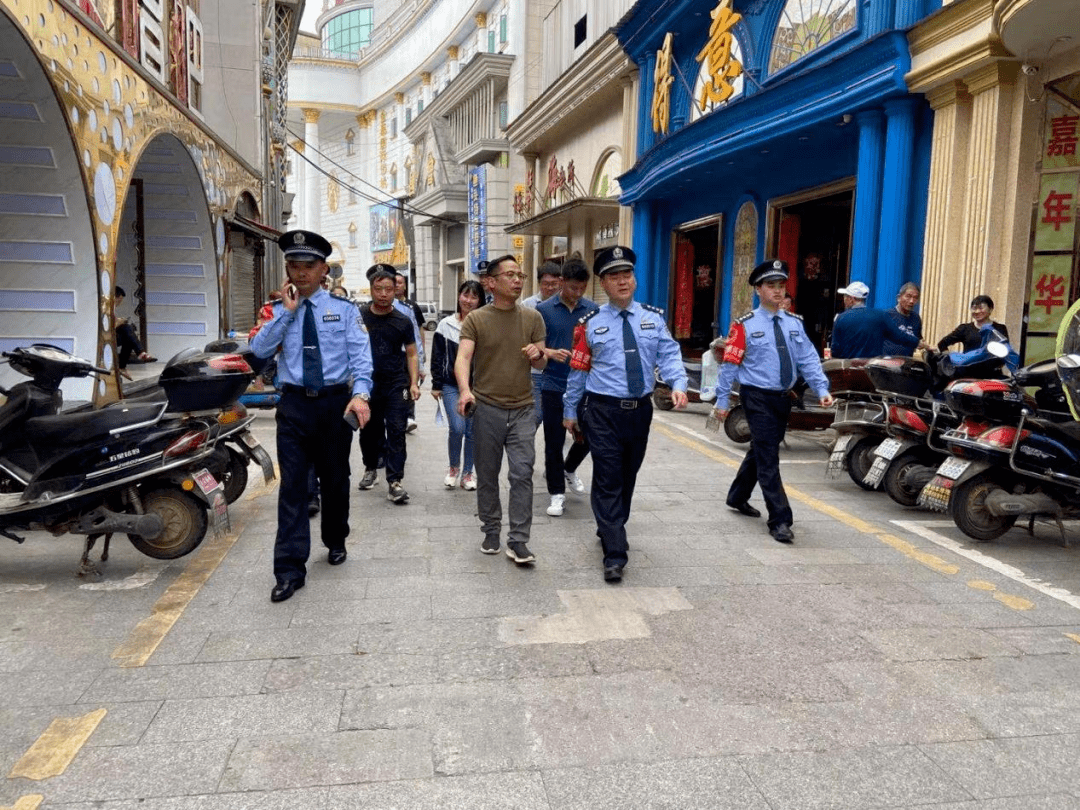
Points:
x=1069, y=361
x=997, y=349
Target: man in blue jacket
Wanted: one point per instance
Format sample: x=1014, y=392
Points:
x=860, y=331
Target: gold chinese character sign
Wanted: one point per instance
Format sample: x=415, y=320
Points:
x=716, y=55
x=662, y=79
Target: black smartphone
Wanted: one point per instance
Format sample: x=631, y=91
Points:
x=470, y=408
x=352, y=420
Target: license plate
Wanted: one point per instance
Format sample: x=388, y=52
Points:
x=888, y=449
x=836, y=458
x=205, y=481
x=953, y=468
x=842, y=443
x=265, y=462
x=250, y=440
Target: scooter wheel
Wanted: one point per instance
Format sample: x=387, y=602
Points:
x=894, y=484
x=737, y=426
x=661, y=397
x=859, y=460
x=235, y=476
x=968, y=508
x=185, y=519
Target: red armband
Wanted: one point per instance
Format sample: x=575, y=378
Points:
x=735, y=350
x=581, y=354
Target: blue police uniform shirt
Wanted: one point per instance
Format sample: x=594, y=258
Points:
x=406, y=310
x=760, y=366
x=603, y=329
x=559, y=322
x=343, y=342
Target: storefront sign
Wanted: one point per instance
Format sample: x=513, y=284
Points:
x=383, y=227
x=1051, y=283
x=478, y=247
x=716, y=56
x=1055, y=220
x=662, y=79
x=1061, y=137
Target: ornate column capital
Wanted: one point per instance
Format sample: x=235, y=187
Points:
x=989, y=77
x=311, y=116
x=481, y=20
x=452, y=53
x=946, y=95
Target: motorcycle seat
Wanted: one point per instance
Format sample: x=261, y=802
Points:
x=1069, y=431
x=66, y=428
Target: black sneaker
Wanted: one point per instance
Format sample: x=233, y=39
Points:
x=397, y=493
x=519, y=553
x=368, y=481
x=490, y=545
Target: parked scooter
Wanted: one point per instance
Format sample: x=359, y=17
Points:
x=129, y=467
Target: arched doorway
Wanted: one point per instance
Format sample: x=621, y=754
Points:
x=49, y=287
x=167, y=257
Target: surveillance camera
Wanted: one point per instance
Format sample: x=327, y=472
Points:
x=1029, y=69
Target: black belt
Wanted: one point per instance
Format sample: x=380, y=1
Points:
x=325, y=391
x=615, y=402
x=769, y=391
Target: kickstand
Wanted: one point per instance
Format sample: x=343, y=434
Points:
x=87, y=568
x=1061, y=528
x=1031, y=525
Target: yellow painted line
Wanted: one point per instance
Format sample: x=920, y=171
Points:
x=1073, y=636
x=30, y=802
x=981, y=585
x=1015, y=602
x=264, y=488
x=906, y=548
x=54, y=750
x=151, y=631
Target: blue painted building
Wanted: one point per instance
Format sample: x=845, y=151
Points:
x=820, y=155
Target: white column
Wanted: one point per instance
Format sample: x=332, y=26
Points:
x=309, y=221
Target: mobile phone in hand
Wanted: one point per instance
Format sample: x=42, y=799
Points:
x=352, y=420
x=290, y=291
x=470, y=407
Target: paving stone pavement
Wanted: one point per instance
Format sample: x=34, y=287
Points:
x=866, y=666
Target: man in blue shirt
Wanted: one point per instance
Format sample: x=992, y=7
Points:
x=767, y=350
x=561, y=314
x=860, y=331
x=905, y=317
x=617, y=348
x=325, y=371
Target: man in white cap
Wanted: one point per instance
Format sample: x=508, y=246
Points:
x=860, y=331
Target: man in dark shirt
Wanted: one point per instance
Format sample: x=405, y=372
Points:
x=905, y=316
x=861, y=332
x=394, y=384
x=401, y=293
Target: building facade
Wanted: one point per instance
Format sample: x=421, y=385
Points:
x=774, y=128
x=127, y=157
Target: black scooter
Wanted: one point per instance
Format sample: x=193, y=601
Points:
x=138, y=468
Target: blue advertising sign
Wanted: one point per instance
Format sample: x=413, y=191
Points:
x=384, y=227
x=478, y=246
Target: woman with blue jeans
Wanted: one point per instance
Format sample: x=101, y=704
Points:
x=444, y=348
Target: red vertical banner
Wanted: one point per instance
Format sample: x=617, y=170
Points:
x=129, y=27
x=178, y=54
x=787, y=249
x=684, y=289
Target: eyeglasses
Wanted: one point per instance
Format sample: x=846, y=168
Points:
x=511, y=275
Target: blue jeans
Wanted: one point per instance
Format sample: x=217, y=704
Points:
x=460, y=430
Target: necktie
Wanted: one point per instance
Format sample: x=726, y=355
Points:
x=786, y=376
x=635, y=380
x=313, y=379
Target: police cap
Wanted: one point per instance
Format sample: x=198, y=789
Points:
x=612, y=259
x=304, y=246
x=771, y=270
x=381, y=269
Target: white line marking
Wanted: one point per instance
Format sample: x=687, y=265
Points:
x=19, y=587
x=140, y=579
x=922, y=528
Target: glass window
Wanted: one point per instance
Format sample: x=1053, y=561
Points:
x=502, y=29
x=491, y=41
x=347, y=33
x=806, y=25
x=408, y=116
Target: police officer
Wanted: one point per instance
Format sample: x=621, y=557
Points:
x=615, y=350
x=767, y=349
x=325, y=370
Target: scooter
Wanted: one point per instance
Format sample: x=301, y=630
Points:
x=128, y=467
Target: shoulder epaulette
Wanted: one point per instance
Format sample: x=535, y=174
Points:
x=338, y=297
x=278, y=303
x=651, y=308
x=584, y=318
x=795, y=315
x=745, y=317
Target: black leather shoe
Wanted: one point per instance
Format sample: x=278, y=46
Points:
x=337, y=556
x=313, y=506
x=613, y=573
x=284, y=590
x=782, y=533
x=745, y=509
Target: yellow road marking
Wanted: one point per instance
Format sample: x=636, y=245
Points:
x=53, y=751
x=30, y=802
x=980, y=585
x=1073, y=636
x=1015, y=602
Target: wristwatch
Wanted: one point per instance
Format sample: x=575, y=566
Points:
x=364, y=397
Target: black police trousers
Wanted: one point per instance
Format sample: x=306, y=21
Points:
x=555, y=468
x=310, y=432
x=384, y=434
x=617, y=438
x=767, y=413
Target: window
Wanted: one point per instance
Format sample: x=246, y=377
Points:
x=350, y=146
x=580, y=30
x=393, y=177
x=194, y=59
x=491, y=41
x=504, y=111
x=352, y=196
x=352, y=235
x=348, y=33
x=806, y=25
x=408, y=116
x=393, y=127
x=707, y=87
x=502, y=29
x=419, y=106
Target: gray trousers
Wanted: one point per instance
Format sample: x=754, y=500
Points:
x=496, y=429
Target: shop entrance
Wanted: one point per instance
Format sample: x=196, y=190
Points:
x=812, y=233
x=694, y=285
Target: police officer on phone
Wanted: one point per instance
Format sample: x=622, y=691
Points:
x=766, y=350
x=616, y=350
x=325, y=370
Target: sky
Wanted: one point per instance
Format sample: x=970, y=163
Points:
x=312, y=10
